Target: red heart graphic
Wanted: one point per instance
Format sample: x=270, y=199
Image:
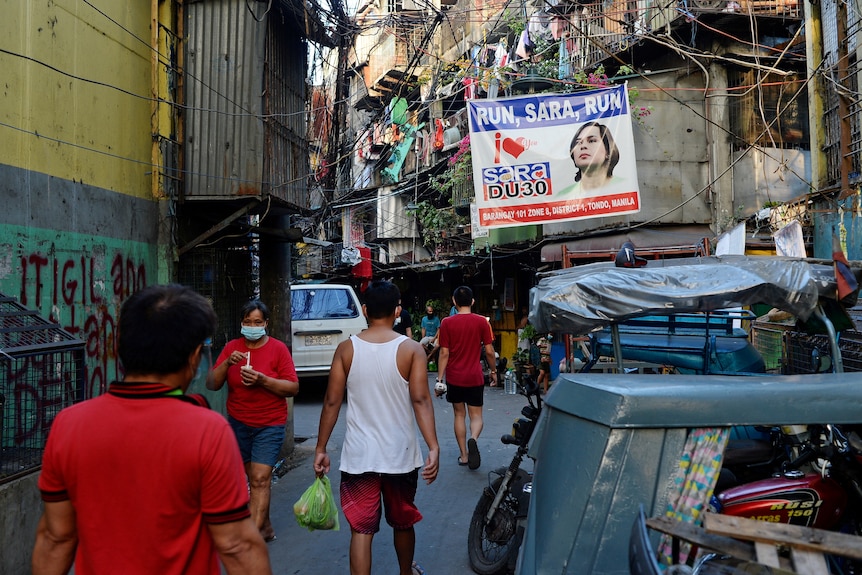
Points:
x=513, y=147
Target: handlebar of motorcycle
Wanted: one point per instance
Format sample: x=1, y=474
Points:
x=822, y=443
x=508, y=439
x=529, y=385
x=807, y=455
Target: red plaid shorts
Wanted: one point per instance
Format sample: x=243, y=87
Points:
x=361, y=497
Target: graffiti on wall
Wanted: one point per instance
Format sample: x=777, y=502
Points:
x=40, y=385
x=83, y=294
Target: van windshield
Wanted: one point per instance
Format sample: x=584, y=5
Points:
x=321, y=304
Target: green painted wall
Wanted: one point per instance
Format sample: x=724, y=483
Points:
x=79, y=226
x=79, y=281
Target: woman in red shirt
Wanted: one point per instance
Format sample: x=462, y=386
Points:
x=260, y=374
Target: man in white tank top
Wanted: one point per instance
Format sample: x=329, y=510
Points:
x=385, y=377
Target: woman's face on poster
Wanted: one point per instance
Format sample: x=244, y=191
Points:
x=589, y=149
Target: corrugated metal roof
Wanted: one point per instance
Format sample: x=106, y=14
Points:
x=224, y=81
x=245, y=91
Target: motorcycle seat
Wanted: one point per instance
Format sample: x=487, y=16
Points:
x=747, y=451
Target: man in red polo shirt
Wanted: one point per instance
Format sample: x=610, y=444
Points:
x=142, y=479
x=463, y=337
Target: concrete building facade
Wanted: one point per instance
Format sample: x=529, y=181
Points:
x=143, y=143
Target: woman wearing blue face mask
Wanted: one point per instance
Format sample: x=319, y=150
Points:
x=260, y=374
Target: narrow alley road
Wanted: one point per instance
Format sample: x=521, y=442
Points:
x=447, y=504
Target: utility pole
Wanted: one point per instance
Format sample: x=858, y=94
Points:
x=334, y=157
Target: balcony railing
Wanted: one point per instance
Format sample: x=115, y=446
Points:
x=602, y=30
x=389, y=63
x=463, y=194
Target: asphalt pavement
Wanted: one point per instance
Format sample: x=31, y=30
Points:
x=446, y=505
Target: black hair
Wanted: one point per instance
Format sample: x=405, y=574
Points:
x=253, y=305
x=381, y=299
x=612, y=153
x=160, y=326
x=463, y=296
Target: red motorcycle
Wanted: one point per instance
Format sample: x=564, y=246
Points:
x=820, y=486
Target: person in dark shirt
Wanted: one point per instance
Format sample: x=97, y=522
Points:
x=403, y=322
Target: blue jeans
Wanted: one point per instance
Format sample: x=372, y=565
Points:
x=258, y=444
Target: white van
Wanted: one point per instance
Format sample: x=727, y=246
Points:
x=322, y=316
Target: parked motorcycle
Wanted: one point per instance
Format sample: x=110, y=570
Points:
x=499, y=519
x=821, y=486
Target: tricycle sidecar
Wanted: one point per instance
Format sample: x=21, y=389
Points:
x=607, y=443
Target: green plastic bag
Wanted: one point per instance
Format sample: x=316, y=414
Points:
x=316, y=508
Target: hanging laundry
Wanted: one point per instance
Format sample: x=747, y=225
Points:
x=573, y=46
x=525, y=46
x=538, y=25
x=424, y=145
x=351, y=255
x=501, y=56
x=483, y=56
x=844, y=278
x=559, y=27
x=565, y=65
x=473, y=70
x=438, y=134
x=362, y=269
x=470, y=85
x=398, y=110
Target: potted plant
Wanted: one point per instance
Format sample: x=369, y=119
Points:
x=528, y=332
x=522, y=357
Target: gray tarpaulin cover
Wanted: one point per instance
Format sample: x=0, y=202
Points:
x=581, y=299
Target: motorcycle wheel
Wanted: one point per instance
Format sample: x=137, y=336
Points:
x=491, y=545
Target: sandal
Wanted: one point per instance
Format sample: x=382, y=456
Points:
x=474, y=459
x=417, y=569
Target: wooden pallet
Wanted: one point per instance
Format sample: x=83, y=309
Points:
x=760, y=542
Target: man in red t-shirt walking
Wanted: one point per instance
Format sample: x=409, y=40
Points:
x=143, y=479
x=463, y=338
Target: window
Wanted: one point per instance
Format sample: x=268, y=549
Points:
x=768, y=101
x=313, y=303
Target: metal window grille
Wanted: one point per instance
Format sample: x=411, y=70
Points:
x=753, y=113
x=225, y=277
x=41, y=372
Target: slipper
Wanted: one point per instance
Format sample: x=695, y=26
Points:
x=270, y=539
x=417, y=569
x=462, y=462
x=474, y=459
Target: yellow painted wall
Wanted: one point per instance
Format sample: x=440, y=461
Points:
x=508, y=344
x=75, y=96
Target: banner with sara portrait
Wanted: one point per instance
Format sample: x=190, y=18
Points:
x=553, y=157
